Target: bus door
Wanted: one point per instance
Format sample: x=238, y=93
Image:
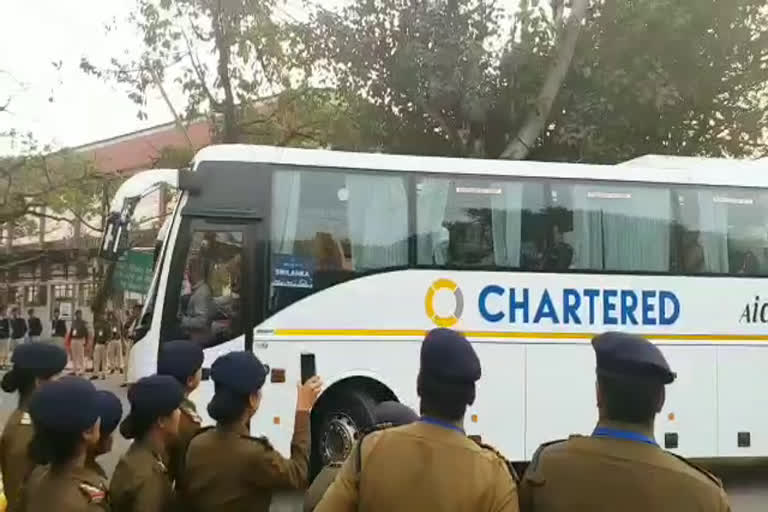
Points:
x=215, y=290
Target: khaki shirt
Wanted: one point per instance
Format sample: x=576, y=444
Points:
x=226, y=469
x=94, y=466
x=70, y=490
x=189, y=425
x=15, y=463
x=319, y=485
x=421, y=467
x=605, y=474
x=141, y=482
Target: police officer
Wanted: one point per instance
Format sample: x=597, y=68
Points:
x=620, y=466
x=141, y=481
x=182, y=360
x=63, y=436
x=387, y=414
x=430, y=464
x=110, y=413
x=33, y=364
x=225, y=468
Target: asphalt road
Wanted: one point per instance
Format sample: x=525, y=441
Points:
x=745, y=481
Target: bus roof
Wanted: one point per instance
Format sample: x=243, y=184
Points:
x=682, y=170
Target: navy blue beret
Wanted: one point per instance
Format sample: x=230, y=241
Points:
x=151, y=398
x=623, y=355
x=180, y=359
x=447, y=355
x=394, y=413
x=110, y=411
x=241, y=372
x=42, y=360
x=68, y=405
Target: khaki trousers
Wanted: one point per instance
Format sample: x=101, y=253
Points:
x=115, y=355
x=100, y=359
x=78, y=355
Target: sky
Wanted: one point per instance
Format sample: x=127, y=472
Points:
x=63, y=107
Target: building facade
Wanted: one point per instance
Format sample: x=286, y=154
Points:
x=58, y=267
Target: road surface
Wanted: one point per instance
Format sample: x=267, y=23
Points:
x=746, y=481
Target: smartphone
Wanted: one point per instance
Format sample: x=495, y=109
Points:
x=308, y=368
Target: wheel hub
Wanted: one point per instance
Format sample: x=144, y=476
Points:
x=338, y=439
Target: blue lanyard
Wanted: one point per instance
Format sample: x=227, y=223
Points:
x=442, y=424
x=623, y=434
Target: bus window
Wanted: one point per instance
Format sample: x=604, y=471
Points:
x=616, y=227
x=209, y=306
x=475, y=223
x=722, y=231
x=328, y=227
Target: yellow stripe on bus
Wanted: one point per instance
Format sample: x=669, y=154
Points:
x=514, y=335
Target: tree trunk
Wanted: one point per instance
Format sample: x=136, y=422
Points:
x=519, y=147
x=230, y=134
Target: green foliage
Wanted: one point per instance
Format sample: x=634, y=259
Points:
x=649, y=76
x=65, y=183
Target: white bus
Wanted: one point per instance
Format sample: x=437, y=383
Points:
x=353, y=257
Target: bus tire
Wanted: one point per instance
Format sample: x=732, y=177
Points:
x=339, y=424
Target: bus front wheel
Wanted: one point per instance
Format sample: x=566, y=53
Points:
x=341, y=422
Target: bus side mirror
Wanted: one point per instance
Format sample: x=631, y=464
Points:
x=114, y=241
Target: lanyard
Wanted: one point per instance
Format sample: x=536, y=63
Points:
x=623, y=434
x=442, y=424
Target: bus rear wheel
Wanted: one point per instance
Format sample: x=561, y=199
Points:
x=341, y=422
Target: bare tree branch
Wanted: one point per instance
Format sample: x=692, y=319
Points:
x=521, y=144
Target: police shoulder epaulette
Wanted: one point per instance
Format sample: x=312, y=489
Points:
x=263, y=441
x=192, y=414
x=700, y=469
x=537, y=455
x=93, y=493
x=359, y=454
x=26, y=419
x=498, y=454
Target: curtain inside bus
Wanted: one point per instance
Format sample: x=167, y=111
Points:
x=377, y=213
x=506, y=222
x=431, y=201
x=285, y=219
x=622, y=228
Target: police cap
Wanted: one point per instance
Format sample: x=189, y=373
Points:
x=41, y=360
x=110, y=411
x=446, y=355
x=394, y=413
x=180, y=359
x=151, y=398
x=240, y=372
x=67, y=405
x=623, y=355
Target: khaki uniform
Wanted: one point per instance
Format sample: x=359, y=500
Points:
x=420, y=467
x=73, y=490
x=605, y=474
x=189, y=425
x=94, y=466
x=319, y=485
x=229, y=470
x=141, y=482
x=15, y=462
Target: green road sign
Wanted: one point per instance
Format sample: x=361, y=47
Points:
x=133, y=272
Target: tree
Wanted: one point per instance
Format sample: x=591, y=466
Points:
x=599, y=81
x=439, y=68
x=40, y=183
x=243, y=37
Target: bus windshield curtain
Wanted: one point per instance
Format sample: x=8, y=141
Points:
x=431, y=201
x=285, y=210
x=377, y=213
x=506, y=219
x=626, y=229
